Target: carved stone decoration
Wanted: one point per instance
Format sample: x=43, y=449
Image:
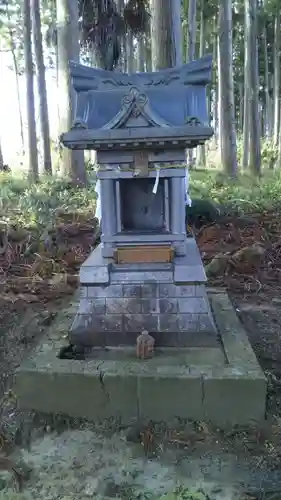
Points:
x=134, y=95
x=137, y=98
x=193, y=121
x=79, y=124
x=135, y=103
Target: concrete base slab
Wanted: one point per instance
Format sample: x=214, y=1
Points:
x=224, y=385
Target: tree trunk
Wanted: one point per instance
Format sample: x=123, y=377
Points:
x=246, y=113
x=241, y=107
x=148, y=57
x=278, y=162
x=176, y=33
x=16, y=70
x=1, y=157
x=219, y=98
x=165, y=45
x=268, y=110
x=254, y=119
x=216, y=85
x=191, y=48
x=122, y=60
x=276, y=65
x=32, y=139
x=201, y=151
x=191, y=39
x=130, y=52
x=141, y=53
x=228, y=132
x=41, y=84
x=68, y=50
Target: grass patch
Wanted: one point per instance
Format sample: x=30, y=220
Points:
x=38, y=204
x=245, y=194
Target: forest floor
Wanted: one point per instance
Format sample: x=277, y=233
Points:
x=39, y=264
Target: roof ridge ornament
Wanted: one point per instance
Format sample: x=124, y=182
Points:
x=135, y=95
x=136, y=103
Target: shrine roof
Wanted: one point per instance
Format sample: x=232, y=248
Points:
x=115, y=108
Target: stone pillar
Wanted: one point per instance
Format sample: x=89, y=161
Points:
x=182, y=212
x=178, y=205
x=108, y=209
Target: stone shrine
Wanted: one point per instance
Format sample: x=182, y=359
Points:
x=146, y=274
x=145, y=344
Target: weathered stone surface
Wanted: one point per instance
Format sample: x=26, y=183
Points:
x=229, y=399
x=149, y=289
x=198, y=383
x=150, y=306
x=168, y=306
x=93, y=395
x=236, y=343
x=193, y=305
x=168, y=323
x=131, y=290
x=95, y=274
x=195, y=322
x=159, y=395
x=104, y=291
x=97, y=322
x=141, y=277
x=139, y=322
x=172, y=290
x=120, y=309
x=120, y=305
x=92, y=306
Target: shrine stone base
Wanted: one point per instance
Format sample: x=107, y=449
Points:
x=170, y=301
x=223, y=385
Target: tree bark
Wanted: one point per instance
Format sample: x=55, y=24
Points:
x=122, y=60
x=201, y=151
x=41, y=84
x=215, y=105
x=68, y=50
x=228, y=132
x=276, y=56
x=1, y=157
x=16, y=69
x=268, y=110
x=219, y=95
x=141, y=53
x=241, y=108
x=32, y=138
x=165, y=33
x=130, y=52
x=176, y=33
x=191, y=48
x=191, y=39
x=278, y=162
x=254, y=119
x=246, y=112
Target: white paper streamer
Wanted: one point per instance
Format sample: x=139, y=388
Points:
x=188, y=200
x=155, y=187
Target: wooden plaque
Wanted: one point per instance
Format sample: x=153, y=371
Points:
x=141, y=164
x=139, y=254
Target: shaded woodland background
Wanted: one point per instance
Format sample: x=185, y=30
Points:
x=47, y=193
x=47, y=197
x=142, y=35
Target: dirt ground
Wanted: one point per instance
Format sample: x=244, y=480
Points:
x=194, y=456
x=78, y=461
